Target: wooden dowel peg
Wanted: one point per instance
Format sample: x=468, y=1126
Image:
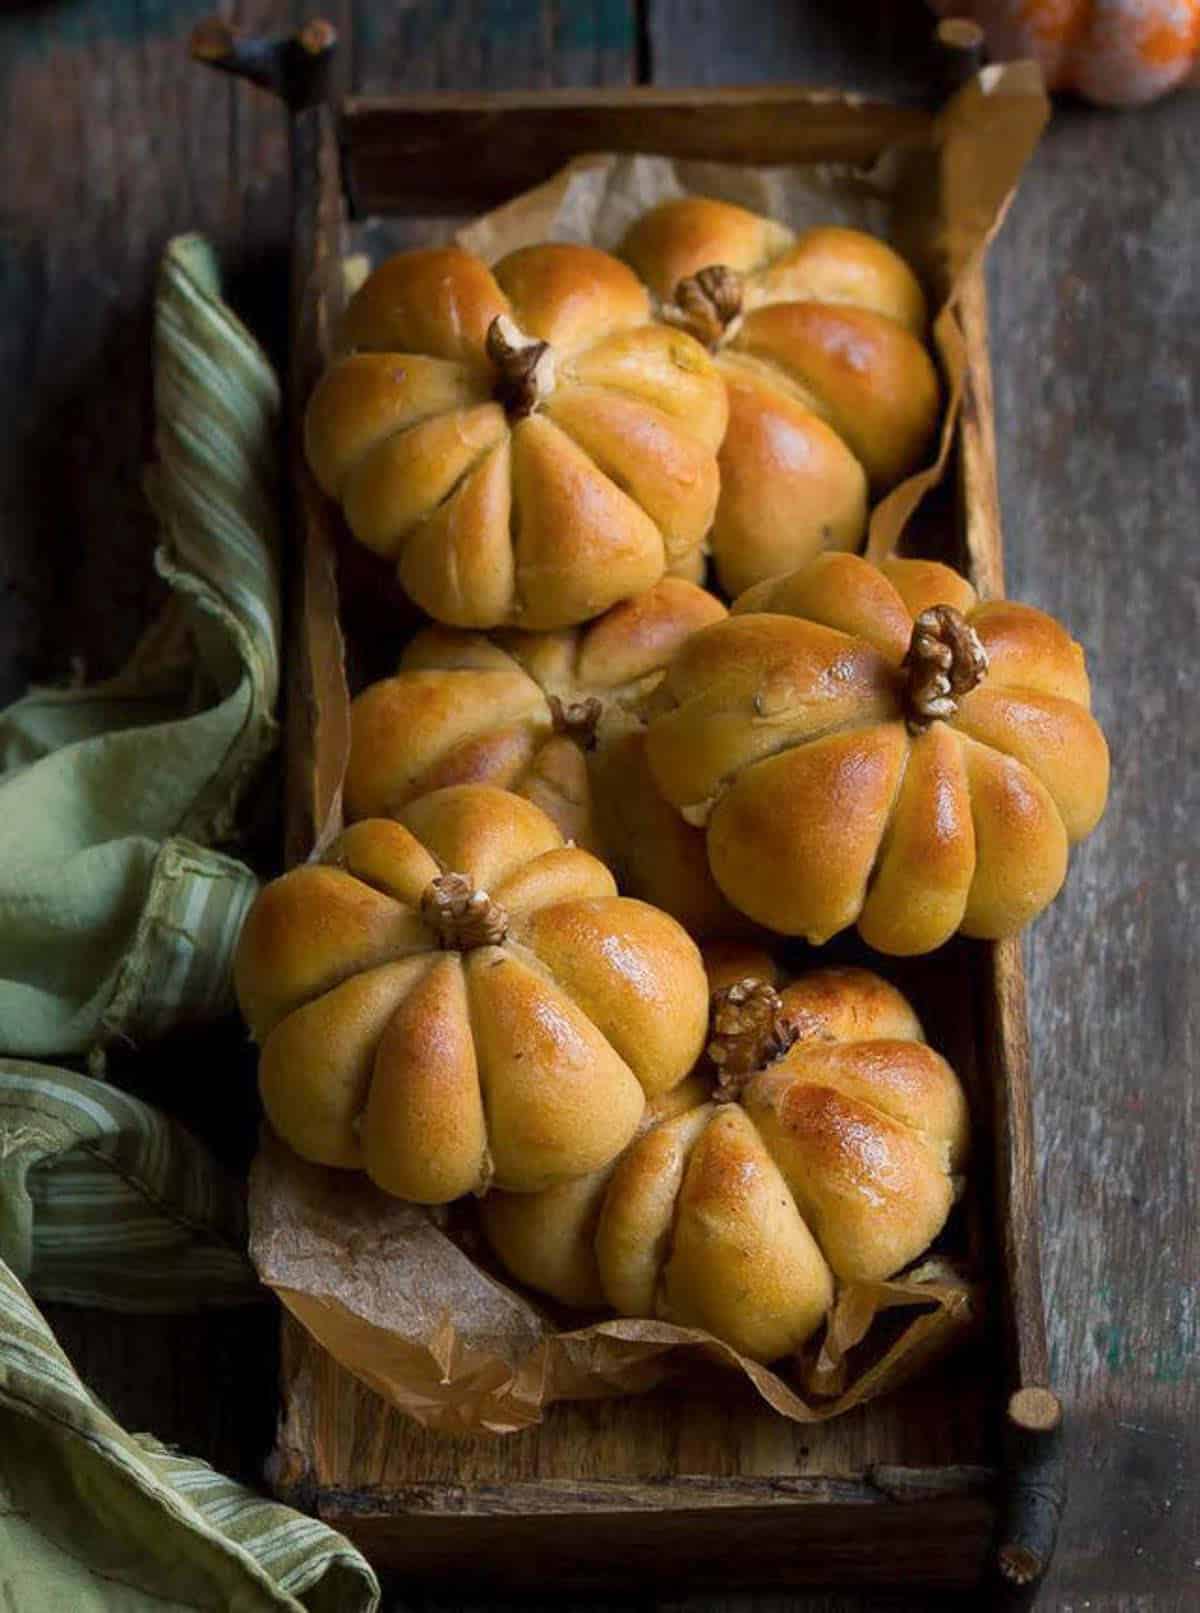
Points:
x=295, y=66
x=1036, y=1488
x=959, y=43
x=1036, y=1411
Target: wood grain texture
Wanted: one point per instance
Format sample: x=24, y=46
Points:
x=492, y=44
x=876, y=47
x=447, y=152
x=608, y=1470
x=1095, y=312
x=312, y=730
x=1096, y=302
x=110, y=142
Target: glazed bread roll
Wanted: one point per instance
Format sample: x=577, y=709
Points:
x=458, y=998
x=522, y=442
x=555, y=717
x=827, y=1153
x=874, y=746
x=519, y=710
x=833, y=397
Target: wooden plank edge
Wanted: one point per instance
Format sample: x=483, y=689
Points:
x=316, y=715
x=942, y=1542
x=1035, y=1493
x=481, y=149
x=1005, y=1024
x=622, y=98
x=670, y=1493
x=296, y=67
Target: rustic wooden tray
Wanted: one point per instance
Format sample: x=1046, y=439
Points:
x=953, y=1482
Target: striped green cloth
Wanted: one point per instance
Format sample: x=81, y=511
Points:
x=93, y=1519
x=113, y=914
x=118, y=919
x=104, y=1201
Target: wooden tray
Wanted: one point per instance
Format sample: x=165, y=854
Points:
x=953, y=1482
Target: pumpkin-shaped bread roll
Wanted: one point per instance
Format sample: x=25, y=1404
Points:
x=523, y=442
x=825, y=1152
x=457, y=998
x=874, y=746
x=833, y=397
x=520, y=710
x=555, y=717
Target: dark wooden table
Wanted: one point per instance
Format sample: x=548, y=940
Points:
x=110, y=142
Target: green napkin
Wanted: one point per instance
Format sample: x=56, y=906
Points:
x=118, y=919
x=106, y=1202
x=94, y=1518
x=113, y=915
x=103, y=1201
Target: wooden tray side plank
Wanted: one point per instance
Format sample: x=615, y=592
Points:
x=938, y=1544
x=1035, y=1489
x=316, y=730
x=478, y=150
x=1005, y=1024
x=338, y=1435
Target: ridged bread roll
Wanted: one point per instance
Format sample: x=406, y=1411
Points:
x=833, y=397
x=827, y=1152
x=523, y=443
x=557, y=718
x=458, y=998
x=874, y=746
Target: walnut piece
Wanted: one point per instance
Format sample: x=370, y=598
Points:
x=577, y=719
x=749, y=1032
x=524, y=367
x=945, y=660
x=463, y=916
x=707, y=303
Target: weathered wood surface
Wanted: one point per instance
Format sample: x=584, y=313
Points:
x=111, y=142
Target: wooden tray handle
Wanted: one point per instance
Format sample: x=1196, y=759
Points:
x=1035, y=1495
x=295, y=67
x=959, y=42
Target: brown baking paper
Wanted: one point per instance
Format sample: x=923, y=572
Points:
x=392, y=1293
x=404, y=1297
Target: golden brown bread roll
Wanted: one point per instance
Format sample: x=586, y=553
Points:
x=874, y=746
x=832, y=395
x=556, y=718
x=522, y=442
x=827, y=1153
x=459, y=998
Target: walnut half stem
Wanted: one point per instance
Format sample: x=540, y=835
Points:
x=577, y=719
x=749, y=1032
x=524, y=367
x=707, y=303
x=463, y=916
x=945, y=661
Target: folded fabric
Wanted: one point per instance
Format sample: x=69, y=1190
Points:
x=116, y=920
x=106, y=1202
x=95, y=1520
